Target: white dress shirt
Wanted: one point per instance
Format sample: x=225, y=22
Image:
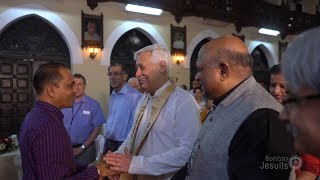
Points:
x=170, y=140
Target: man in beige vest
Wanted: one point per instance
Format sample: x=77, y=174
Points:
x=166, y=122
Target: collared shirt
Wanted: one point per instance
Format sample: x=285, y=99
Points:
x=45, y=146
x=170, y=140
x=121, y=112
x=82, y=119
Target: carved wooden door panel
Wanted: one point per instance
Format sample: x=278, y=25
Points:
x=24, y=46
x=15, y=94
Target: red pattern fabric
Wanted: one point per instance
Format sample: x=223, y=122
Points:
x=310, y=163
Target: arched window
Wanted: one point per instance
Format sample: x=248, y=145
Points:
x=260, y=67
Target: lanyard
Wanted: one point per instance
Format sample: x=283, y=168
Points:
x=73, y=116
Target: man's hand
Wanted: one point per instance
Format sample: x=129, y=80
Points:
x=114, y=177
x=119, y=162
x=104, y=168
x=77, y=151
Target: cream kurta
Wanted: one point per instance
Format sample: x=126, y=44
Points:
x=170, y=141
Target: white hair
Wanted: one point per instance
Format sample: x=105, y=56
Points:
x=158, y=53
x=132, y=79
x=301, y=62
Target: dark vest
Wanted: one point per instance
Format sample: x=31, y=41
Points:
x=209, y=157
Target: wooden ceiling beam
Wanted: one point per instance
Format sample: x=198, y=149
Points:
x=245, y=13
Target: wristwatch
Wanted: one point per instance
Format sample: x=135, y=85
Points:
x=82, y=146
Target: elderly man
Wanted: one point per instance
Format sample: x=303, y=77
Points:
x=301, y=69
x=83, y=122
x=44, y=142
x=122, y=104
x=243, y=132
x=166, y=122
x=310, y=168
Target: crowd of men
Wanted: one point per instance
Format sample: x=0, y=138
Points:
x=153, y=127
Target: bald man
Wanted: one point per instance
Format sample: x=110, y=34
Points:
x=242, y=138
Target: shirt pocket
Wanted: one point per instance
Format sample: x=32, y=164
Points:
x=85, y=120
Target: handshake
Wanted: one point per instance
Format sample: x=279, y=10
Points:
x=112, y=164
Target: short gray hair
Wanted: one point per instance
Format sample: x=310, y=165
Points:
x=301, y=62
x=158, y=53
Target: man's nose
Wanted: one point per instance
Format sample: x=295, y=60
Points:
x=138, y=72
x=278, y=89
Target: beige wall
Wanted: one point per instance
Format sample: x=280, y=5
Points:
x=115, y=15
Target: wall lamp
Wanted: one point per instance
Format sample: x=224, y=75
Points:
x=178, y=58
x=93, y=52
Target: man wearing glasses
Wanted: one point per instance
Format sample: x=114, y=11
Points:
x=301, y=69
x=122, y=104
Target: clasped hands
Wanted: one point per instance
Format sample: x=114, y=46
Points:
x=113, y=164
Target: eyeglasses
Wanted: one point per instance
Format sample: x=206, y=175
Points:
x=292, y=103
x=114, y=74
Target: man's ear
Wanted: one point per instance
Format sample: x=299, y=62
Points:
x=224, y=70
x=50, y=90
x=163, y=66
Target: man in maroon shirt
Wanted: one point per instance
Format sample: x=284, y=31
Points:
x=45, y=145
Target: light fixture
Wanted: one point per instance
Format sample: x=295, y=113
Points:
x=93, y=52
x=269, y=32
x=143, y=9
x=178, y=58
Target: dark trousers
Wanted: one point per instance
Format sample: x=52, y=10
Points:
x=87, y=156
x=111, y=145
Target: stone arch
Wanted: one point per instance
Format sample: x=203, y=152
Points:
x=148, y=30
x=267, y=49
x=210, y=34
x=15, y=13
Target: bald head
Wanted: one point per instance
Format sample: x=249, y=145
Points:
x=223, y=63
x=228, y=49
x=231, y=43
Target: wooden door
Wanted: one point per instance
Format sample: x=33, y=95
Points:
x=15, y=94
x=24, y=46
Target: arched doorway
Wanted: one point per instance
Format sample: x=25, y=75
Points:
x=124, y=49
x=260, y=67
x=193, y=61
x=24, y=46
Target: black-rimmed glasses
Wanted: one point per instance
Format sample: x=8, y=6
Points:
x=299, y=100
x=114, y=74
x=292, y=103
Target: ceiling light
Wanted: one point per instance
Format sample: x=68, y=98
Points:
x=143, y=9
x=269, y=32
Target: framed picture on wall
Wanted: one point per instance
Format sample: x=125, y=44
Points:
x=178, y=40
x=282, y=49
x=92, y=30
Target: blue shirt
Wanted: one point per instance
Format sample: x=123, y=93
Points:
x=82, y=119
x=121, y=110
x=45, y=146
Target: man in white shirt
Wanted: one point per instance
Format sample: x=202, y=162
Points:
x=169, y=141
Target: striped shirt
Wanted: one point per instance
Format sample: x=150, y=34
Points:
x=45, y=146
